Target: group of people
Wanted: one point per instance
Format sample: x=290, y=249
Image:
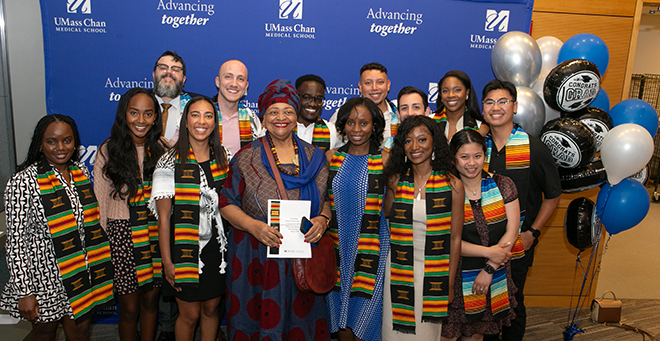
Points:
x=433, y=216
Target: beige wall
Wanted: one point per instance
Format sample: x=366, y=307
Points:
x=648, y=45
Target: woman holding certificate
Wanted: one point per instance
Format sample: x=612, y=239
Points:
x=358, y=227
x=263, y=300
x=192, y=240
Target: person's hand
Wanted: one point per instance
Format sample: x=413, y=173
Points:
x=527, y=239
x=317, y=230
x=165, y=142
x=482, y=283
x=168, y=271
x=498, y=255
x=266, y=234
x=451, y=297
x=28, y=308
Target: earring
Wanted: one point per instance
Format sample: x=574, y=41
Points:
x=433, y=155
x=405, y=159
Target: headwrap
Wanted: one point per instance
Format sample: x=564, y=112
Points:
x=279, y=91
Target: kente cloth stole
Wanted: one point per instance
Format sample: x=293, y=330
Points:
x=367, y=257
x=468, y=121
x=244, y=124
x=492, y=206
x=517, y=159
x=320, y=135
x=435, y=289
x=185, y=217
x=144, y=233
x=87, y=274
x=394, y=123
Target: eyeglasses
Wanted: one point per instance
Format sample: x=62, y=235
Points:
x=317, y=99
x=165, y=67
x=500, y=102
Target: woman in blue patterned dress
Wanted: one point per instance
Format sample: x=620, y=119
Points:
x=358, y=227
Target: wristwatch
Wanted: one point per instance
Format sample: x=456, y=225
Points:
x=489, y=269
x=536, y=233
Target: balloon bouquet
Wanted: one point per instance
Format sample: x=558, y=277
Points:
x=561, y=102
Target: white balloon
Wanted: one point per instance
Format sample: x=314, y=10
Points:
x=549, y=47
x=531, y=113
x=537, y=87
x=516, y=58
x=625, y=150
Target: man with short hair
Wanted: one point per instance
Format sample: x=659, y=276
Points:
x=411, y=102
x=535, y=174
x=169, y=77
x=311, y=127
x=375, y=85
x=238, y=124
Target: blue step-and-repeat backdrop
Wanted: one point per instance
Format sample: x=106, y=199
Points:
x=95, y=50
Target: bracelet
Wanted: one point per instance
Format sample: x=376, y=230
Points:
x=327, y=220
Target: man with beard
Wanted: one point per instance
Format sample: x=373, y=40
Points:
x=375, y=85
x=169, y=77
x=311, y=127
x=238, y=125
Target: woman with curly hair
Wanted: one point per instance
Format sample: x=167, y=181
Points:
x=122, y=182
x=358, y=228
x=458, y=107
x=425, y=205
x=57, y=253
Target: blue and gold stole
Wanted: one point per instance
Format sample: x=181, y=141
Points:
x=368, y=250
x=517, y=159
x=185, y=216
x=435, y=286
x=87, y=272
x=492, y=206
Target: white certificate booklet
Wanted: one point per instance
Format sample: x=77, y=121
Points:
x=286, y=215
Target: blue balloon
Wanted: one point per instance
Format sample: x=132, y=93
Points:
x=602, y=101
x=623, y=206
x=586, y=46
x=635, y=111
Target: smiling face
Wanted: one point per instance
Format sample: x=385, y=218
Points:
x=359, y=126
x=411, y=105
x=470, y=160
x=58, y=144
x=453, y=94
x=418, y=145
x=232, y=81
x=140, y=117
x=497, y=115
x=200, y=121
x=375, y=85
x=168, y=77
x=311, y=97
x=280, y=120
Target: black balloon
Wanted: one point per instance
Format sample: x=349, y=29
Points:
x=570, y=141
x=581, y=223
x=596, y=119
x=583, y=178
x=572, y=85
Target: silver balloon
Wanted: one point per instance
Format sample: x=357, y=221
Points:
x=531, y=111
x=549, y=47
x=516, y=58
x=550, y=114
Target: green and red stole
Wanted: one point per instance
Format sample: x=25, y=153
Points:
x=368, y=250
x=320, y=135
x=468, y=121
x=244, y=124
x=185, y=216
x=435, y=288
x=87, y=273
x=517, y=154
x=144, y=233
x=492, y=206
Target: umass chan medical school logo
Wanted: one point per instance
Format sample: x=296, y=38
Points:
x=84, y=6
x=497, y=20
x=291, y=8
